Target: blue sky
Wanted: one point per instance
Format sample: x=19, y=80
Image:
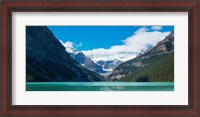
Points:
x=94, y=37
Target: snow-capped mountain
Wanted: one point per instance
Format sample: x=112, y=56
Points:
x=109, y=65
x=71, y=50
x=154, y=64
x=100, y=63
x=47, y=60
x=122, y=56
x=110, y=62
x=87, y=62
x=83, y=60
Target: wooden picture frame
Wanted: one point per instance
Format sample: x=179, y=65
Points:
x=190, y=6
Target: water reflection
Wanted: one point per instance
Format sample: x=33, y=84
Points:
x=136, y=86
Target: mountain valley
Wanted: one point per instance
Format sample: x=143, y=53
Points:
x=48, y=60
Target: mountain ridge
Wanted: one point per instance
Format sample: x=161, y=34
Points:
x=83, y=60
x=151, y=56
x=47, y=60
x=87, y=62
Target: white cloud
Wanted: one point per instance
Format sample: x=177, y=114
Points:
x=156, y=28
x=143, y=29
x=79, y=45
x=133, y=44
x=68, y=44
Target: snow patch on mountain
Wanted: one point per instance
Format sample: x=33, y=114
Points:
x=108, y=62
x=69, y=47
x=81, y=58
x=123, y=56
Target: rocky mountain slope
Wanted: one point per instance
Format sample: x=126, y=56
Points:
x=87, y=62
x=83, y=60
x=160, y=70
x=99, y=65
x=47, y=60
x=110, y=62
x=156, y=64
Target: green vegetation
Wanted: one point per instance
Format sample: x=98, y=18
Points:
x=128, y=68
x=160, y=69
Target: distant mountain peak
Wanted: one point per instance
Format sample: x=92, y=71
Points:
x=69, y=48
x=82, y=59
x=122, y=56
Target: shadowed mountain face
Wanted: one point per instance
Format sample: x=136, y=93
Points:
x=87, y=62
x=155, y=65
x=83, y=60
x=47, y=60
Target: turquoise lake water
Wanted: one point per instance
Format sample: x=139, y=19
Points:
x=99, y=86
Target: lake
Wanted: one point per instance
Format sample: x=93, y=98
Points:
x=99, y=86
